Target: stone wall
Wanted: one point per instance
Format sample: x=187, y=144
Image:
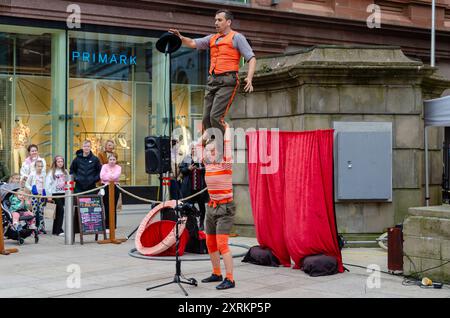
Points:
x=426, y=234
x=313, y=88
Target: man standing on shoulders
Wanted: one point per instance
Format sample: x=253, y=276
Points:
x=226, y=48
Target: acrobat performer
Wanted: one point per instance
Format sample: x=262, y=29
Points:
x=226, y=48
x=220, y=211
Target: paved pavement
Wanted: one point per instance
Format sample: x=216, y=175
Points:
x=50, y=268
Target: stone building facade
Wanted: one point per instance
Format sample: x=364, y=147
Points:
x=313, y=88
x=298, y=23
x=309, y=90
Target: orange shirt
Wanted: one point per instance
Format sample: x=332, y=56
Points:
x=219, y=175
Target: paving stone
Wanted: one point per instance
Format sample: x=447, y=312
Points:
x=108, y=271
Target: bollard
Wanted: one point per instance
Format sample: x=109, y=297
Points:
x=112, y=208
x=4, y=251
x=68, y=212
x=112, y=228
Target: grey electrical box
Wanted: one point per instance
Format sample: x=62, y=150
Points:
x=363, y=161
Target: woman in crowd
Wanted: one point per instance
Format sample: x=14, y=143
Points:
x=28, y=165
x=110, y=173
x=107, y=152
x=54, y=185
x=193, y=172
x=36, y=185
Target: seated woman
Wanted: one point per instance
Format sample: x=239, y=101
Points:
x=20, y=207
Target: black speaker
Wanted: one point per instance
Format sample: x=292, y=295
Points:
x=157, y=154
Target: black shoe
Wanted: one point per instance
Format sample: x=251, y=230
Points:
x=225, y=284
x=212, y=278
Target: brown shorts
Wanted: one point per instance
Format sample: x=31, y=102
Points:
x=220, y=219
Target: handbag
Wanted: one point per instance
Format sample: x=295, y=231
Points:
x=50, y=210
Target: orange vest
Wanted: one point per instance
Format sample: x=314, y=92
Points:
x=224, y=57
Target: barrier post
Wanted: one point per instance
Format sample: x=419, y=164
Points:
x=4, y=251
x=112, y=217
x=68, y=212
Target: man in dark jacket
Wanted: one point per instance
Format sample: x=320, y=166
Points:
x=85, y=169
x=193, y=182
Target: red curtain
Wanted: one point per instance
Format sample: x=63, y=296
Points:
x=291, y=192
x=266, y=194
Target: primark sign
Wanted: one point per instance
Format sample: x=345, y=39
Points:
x=103, y=58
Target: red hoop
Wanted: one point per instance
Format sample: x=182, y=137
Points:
x=168, y=241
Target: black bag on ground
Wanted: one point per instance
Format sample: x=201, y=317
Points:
x=195, y=244
x=261, y=256
x=320, y=265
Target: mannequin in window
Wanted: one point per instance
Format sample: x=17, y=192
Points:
x=21, y=139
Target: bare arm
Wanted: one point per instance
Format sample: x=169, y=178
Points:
x=190, y=43
x=248, y=80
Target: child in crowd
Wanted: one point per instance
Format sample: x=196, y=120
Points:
x=15, y=179
x=55, y=185
x=110, y=173
x=36, y=184
x=19, y=207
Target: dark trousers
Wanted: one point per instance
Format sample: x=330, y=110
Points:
x=219, y=95
x=106, y=204
x=59, y=215
x=174, y=189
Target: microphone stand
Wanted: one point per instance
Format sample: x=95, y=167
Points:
x=177, y=278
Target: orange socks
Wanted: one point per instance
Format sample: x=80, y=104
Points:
x=218, y=242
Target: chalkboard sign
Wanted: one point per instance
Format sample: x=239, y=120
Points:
x=91, y=215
